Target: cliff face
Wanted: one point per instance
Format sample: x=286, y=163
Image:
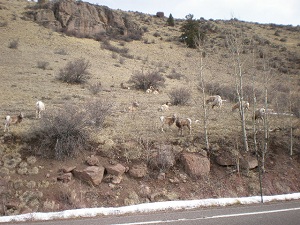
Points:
x=82, y=19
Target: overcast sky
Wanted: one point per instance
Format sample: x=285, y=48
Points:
x=286, y=12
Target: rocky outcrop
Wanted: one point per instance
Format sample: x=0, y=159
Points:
x=83, y=19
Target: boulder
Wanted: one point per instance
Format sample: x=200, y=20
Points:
x=92, y=175
x=138, y=170
x=117, y=169
x=194, y=164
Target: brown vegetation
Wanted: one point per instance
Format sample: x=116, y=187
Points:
x=88, y=121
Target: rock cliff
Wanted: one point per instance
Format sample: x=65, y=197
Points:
x=83, y=19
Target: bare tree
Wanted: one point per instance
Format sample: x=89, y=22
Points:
x=202, y=88
x=235, y=45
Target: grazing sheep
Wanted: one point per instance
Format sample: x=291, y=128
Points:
x=150, y=90
x=245, y=105
x=164, y=107
x=215, y=100
x=167, y=120
x=180, y=123
x=155, y=92
x=124, y=87
x=259, y=114
x=12, y=120
x=39, y=107
x=133, y=107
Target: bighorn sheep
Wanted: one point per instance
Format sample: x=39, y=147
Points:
x=39, y=107
x=150, y=90
x=164, y=107
x=259, y=114
x=180, y=123
x=245, y=105
x=12, y=120
x=133, y=107
x=167, y=120
x=215, y=100
x=124, y=87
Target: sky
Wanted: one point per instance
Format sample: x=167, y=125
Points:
x=147, y=207
x=281, y=12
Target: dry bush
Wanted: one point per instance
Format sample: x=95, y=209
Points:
x=75, y=72
x=180, y=96
x=106, y=45
x=95, y=88
x=14, y=44
x=62, y=133
x=42, y=65
x=142, y=80
x=61, y=52
x=175, y=75
x=163, y=159
x=98, y=110
x=3, y=24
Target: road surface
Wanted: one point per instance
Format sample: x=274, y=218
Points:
x=280, y=213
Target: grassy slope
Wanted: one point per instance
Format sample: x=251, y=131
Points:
x=22, y=83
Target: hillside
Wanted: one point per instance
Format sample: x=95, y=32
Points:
x=140, y=162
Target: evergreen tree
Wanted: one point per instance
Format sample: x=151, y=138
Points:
x=170, y=21
x=190, y=31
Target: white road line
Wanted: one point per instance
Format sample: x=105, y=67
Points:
x=210, y=217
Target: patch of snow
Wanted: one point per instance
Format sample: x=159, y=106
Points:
x=146, y=207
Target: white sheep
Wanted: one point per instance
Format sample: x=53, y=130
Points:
x=39, y=107
x=180, y=123
x=170, y=120
x=245, y=105
x=215, y=100
x=9, y=120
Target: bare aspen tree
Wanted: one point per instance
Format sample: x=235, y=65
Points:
x=290, y=120
x=266, y=119
x=235, y=45
x=255, y=130
x=202, y=87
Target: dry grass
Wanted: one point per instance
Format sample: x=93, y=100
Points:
x=41, y=45
x=23, y=83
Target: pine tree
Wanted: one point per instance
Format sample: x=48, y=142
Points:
x=190, y=31
x=170, y=21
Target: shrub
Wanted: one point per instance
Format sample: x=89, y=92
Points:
x=61, y=52
x=175, y=75
x=62, y=133
x=98, y=110
x=42, y=65
x=75, y=72
x=106, y=45
x=143, y=81
x=95, y=88
x=3, y=24
x=14, y=44
x=180, y=96
x=163, y=159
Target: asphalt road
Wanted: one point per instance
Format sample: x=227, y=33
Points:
x=280, y=213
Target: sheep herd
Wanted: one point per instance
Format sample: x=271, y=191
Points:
x=16, y=119
x=214, y=101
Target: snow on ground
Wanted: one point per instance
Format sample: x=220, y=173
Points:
x=146, y=207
